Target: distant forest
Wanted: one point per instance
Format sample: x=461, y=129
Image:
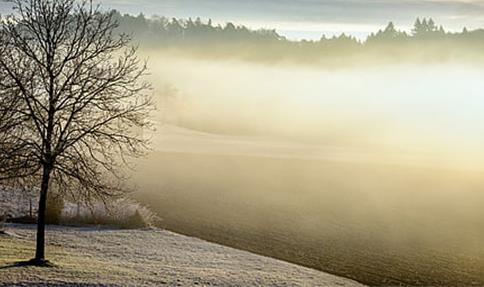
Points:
x=426, y=42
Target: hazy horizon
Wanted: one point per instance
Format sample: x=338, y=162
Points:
x=309, y=19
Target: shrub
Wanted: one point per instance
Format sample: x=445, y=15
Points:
x=123, y=213
x=55, y=206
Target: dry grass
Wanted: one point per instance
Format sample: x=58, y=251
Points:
x=122, y=213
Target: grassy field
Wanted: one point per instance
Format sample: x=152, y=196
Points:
x=103, y=257
x=72, y=268
x=378, y=224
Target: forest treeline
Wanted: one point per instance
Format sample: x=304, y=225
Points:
x=426, y=42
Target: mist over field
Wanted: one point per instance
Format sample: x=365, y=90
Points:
x=372, y=172
x=426, y=113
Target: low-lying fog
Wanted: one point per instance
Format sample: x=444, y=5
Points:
x=430, y=114
x=373, y=173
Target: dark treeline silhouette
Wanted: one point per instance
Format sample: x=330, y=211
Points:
x=163, y=30
x=427, y=41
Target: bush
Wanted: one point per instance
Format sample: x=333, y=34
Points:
x=123, y=213
x=53, y=212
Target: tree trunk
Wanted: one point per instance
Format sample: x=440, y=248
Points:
x=40, y=248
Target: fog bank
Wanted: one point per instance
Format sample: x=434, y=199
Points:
x=431, y=112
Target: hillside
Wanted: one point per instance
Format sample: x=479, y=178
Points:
x=379, y=218
x=101, y=257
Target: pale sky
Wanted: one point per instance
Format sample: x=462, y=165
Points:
x=311, y=18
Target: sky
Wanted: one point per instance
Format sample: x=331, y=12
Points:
x=311, y=18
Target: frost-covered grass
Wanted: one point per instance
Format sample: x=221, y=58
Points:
x=106, y=257
x=121, y=213
x=16, y=203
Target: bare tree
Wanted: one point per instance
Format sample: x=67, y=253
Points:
x=71, y=96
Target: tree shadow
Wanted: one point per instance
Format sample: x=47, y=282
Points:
x=29, y=263
x=42, y=283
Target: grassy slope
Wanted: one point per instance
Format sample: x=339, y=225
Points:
x=88, y=257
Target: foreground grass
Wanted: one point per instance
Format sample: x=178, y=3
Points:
x=102, y=257
x=70, y=268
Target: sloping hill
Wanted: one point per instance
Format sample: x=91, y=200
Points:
x=101, y=257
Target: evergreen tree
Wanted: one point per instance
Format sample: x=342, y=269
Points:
x=417, y=28
x=441, y=30
x=390, y=29
x=431, y=27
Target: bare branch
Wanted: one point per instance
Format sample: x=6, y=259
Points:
x=72, y=95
